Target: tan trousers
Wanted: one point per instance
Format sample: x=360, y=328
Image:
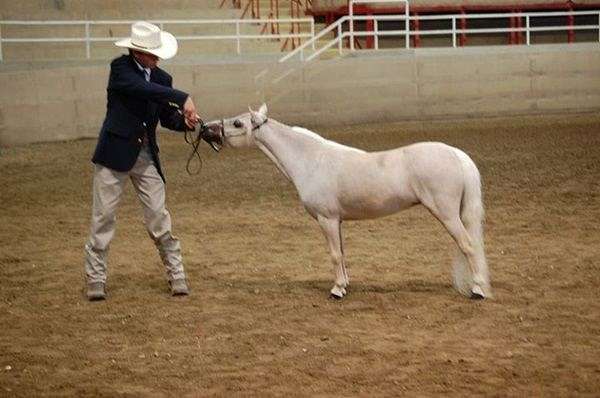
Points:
x=150, y=189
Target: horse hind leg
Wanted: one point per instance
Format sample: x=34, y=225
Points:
x=332, y=230
x=476, y=283
x=478, y=279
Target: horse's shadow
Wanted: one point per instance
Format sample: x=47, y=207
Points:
x=357, y=287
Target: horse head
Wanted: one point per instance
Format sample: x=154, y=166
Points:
x=237, y=131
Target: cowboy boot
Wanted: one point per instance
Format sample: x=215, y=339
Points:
x=96, y=291
x=95, y=270
x=169, y=250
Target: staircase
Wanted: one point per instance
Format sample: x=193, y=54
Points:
x=281, y=9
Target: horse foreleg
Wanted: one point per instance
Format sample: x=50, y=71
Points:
x=332, y=230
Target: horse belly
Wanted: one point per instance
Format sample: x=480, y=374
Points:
x=375, y=197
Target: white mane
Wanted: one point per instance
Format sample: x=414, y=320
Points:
x=316, y=136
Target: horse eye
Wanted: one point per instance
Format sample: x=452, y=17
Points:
x=237, y=124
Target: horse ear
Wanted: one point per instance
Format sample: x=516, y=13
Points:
x=263, y=110
x=255, y=117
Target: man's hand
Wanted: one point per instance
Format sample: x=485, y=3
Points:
x=192, y=122
x=189, y=109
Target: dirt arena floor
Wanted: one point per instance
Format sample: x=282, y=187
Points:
x=259, y=321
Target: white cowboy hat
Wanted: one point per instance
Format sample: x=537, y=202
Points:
x=148, y=38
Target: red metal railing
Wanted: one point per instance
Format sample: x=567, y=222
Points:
x=297, y=9
x=331, y=14
x=295, y=6
x=252, y=7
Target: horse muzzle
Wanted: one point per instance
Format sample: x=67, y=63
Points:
x=213, y=134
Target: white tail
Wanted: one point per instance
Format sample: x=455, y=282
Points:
x=471, y=215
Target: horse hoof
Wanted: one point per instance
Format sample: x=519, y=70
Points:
x=335, y=297
x=477, y=293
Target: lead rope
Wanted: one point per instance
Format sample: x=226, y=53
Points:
x=195, y=143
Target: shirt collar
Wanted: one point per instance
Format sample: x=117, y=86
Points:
x=140, y=67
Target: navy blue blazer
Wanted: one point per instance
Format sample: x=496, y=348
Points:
x=133, y=109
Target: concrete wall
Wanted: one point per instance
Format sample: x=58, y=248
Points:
x=68, y=102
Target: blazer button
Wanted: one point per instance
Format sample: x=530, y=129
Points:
x=144, y=124
x=140, y=140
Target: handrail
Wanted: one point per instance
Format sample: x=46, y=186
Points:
x=88, y=39
x=455, y=31
x=312, y=41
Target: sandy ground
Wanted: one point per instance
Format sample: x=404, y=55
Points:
x=259, y=321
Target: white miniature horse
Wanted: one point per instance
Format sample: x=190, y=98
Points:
x=336, y=183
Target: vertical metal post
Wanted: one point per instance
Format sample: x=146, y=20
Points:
x=297, y=24
x=520, y=28
x=351, y=25
x=340, y=38
x=369, y=23
x=1, y=58
x=571, y=32
x=527, y=32
x=237, y=36
x=519, y=32
x=312, y=33
x=416, y=27
x=376, y=34
x=407, y=24
x=453, y=32
x=271, y=16
x=87, y=39
x=463, y=27
x=511, y=35
x=277, y=14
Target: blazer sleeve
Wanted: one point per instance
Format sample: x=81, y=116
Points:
x=124, y=80
x=170, y=117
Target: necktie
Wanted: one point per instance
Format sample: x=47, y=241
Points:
x=145, y=138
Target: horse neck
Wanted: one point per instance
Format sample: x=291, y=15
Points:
x=291, y=149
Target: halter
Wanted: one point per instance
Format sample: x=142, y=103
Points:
x=260, y=125
x=202, y=131
x=195, y=143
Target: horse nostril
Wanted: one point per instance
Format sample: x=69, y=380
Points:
x=237, y=124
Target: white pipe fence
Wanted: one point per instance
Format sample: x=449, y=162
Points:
x=88, y=39
x=453, y=31
x=352, y=17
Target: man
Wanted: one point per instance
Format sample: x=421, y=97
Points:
x=139, y=95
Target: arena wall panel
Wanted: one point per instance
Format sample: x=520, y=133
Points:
x=67, y=102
